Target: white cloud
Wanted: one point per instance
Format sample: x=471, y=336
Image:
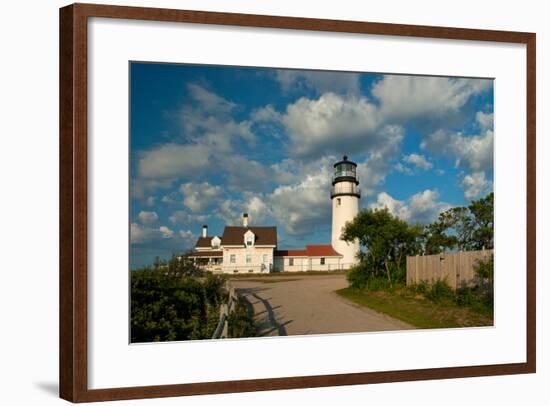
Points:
x=209, y=100
x=230, y=211
x=182, y=217
x=320, y=81
x=141, y=188
x=396, y=207
x=484, y=120
x=145, y=235
x=166, y=232
x=257, y=209
x=150, y=201
x=244, y=174
x=422, y=207
x=209, y=130
x=476, y=185
x=331, y=124
x=171, y=160
x=418, y=160
x=148, y=217
x=210, y=122
x=470, y=152
x=399, y=167
x=198, y=196
x=404, y=97
x=187, y=235
x=266, y=114
x=302, y=207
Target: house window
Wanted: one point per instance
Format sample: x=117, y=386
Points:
x=232, y=259
x=249, y=243
x=264, y=258
x=248, y=258
x=291, y=261
x=322, y=261
x=338, y=201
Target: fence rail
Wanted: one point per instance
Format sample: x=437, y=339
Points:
x=225, y=310
x=457, y=269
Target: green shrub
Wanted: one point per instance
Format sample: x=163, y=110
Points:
x=168, y=307
x=357, y=277
x=241, y=321
x=440, y=291
x=421, y=288
x=466, y=297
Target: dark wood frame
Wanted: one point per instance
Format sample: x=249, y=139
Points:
x=73, y=201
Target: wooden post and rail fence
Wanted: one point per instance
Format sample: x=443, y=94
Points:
x=457, y=269
x=225, y=310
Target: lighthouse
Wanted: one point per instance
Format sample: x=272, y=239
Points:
x=345, y=195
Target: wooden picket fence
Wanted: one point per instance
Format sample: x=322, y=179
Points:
x=456, y=269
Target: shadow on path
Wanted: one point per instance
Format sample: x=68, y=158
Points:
x=270, y=324
x=281, y=330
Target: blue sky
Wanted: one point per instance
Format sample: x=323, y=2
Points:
x=211, y=142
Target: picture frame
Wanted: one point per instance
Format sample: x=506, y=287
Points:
x=74, y=201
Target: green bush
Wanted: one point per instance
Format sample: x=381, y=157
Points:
x=241, y=321
x=357, y=277
x=440, y=291
x=166, y=307
x=421, y=288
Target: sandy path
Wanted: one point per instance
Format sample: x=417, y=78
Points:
x=296, y=305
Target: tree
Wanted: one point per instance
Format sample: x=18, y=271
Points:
x=387, y=241
x=482, y=211
x=466, y=228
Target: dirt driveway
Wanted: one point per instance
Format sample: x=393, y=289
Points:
x=297, y=305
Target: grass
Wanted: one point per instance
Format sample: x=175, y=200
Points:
x=416, y=309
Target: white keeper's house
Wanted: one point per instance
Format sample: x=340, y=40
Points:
x=253, y=249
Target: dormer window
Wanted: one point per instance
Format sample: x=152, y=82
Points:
x=249, y=238
x=216, y=242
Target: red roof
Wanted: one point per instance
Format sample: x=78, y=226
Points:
x=321, y=251
x=290, y=253
x=310, y=251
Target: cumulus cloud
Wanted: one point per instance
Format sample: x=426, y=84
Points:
x=209, y=130
x=150, y=201
x=418, y=161
x=320, y=81
x=182, y=217
x=187, y=235
x=246, y=174
x=475, y=185
x=141, y=188
x=172, y=160
x=140, y=234
x=209, y=121
x=471, y=152
x=422, y=207
x=198, y=196
x=332, y=123
x=148, y=217
x=406, y=97
x=302, y=207
x=484, y=120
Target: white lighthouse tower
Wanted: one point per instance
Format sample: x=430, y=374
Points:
x=345, y=195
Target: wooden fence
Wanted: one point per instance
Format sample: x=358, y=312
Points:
x=456, y=269
x=225, y=310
